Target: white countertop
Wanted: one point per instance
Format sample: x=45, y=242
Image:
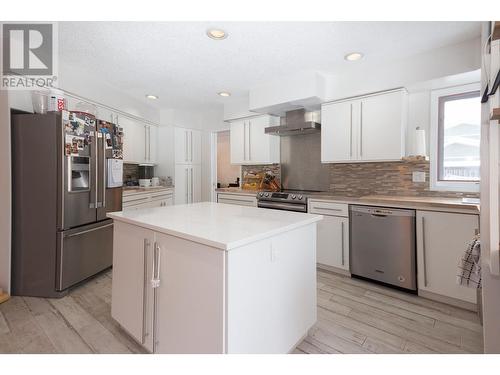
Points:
x=131, y=190
x=224, y=226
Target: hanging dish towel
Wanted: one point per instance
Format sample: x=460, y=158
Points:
x=469, y=267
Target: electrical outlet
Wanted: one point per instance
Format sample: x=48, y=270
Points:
x=418, y=176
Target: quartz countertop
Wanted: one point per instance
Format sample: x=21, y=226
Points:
x=425, y=203
x=152, y=189
x=235, y=190
x=223, y=226
x=420, y=202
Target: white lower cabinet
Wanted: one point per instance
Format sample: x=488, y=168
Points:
x=131, y=288
x=152, y=270
x=188, y=304
x=173, y=295
x=332, y=234
x=187, y=183
x=148, y=199
x=238, y=199
x=441, y=240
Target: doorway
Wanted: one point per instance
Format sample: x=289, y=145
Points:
x=224, y=174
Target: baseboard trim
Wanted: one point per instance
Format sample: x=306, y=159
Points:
x=448, y=300
x=340, y=271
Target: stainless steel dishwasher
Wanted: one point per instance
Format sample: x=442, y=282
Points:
x=383, y=245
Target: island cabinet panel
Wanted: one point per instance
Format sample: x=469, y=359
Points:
x=189, y=302
x=131, y=290
x=271, y=292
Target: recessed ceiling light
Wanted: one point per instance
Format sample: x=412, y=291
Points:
x=217, y=34
x=152, y=97
x=353, y=56
x=224, y=93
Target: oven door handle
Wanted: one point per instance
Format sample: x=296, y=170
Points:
x=283, y=206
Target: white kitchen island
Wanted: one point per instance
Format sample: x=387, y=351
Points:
x=214, y=278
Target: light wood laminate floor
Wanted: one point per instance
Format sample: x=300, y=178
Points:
x=353, y=317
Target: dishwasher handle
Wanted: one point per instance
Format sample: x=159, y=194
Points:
x=381, y=211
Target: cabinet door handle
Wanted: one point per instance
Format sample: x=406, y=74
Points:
x=191, y=184
x=350, y=136
x=424, y=255
x=144, y=291
x=156, y=280
x=191, y=145
x=187, y=185
x=342, y=239
x=327, y=209
x=361, y=132
x=149, y=143
x=249, y=140
x=145, y=142
x=245, y=141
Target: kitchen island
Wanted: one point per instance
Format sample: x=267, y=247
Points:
x=214, y=278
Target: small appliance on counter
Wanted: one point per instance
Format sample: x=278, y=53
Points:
x=144, y=182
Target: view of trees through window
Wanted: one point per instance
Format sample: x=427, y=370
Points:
x=459, y=137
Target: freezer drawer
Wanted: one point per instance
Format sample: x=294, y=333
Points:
x=383, y=245
x=82, y=252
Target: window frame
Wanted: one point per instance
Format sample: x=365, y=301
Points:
x=436, y=135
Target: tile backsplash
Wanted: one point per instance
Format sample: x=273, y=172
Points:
x=255, y=169
x=385, y=178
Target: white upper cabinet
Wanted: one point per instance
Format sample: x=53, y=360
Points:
x=139, y=141
x=249, y=143
x=364, y=129
x=382, y=127
x=238, y=142
x=187, y=146
x=134, y=141
x=337, y=132
x=152, y=142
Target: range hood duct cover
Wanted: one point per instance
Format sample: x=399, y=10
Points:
x=296, y=122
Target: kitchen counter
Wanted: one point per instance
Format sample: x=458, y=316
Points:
x=176, y=288
x=128, y=190
x=218, y=225
x=235, y=190
x=412, y=202
x=422, y=203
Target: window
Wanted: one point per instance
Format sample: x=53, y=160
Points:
x=455, y=138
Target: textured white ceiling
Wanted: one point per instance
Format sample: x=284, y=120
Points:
x=178, y=62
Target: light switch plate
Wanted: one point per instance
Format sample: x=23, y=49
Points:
x=418, y=176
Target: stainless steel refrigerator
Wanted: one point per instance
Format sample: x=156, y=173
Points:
x=65, y=178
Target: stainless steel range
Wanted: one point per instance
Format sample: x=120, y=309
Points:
x=285, y=200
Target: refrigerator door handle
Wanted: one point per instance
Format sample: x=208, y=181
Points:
x=96, y=172
x=104, y=173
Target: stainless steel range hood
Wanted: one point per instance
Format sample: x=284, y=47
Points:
x=296, y=122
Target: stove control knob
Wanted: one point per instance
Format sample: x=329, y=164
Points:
x=261, y=194
x=300, y=197
x=266, y=194
x=293, y=197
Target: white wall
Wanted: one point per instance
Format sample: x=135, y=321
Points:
x=451, y=60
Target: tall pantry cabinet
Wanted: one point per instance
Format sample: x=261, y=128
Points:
x=187, y=165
